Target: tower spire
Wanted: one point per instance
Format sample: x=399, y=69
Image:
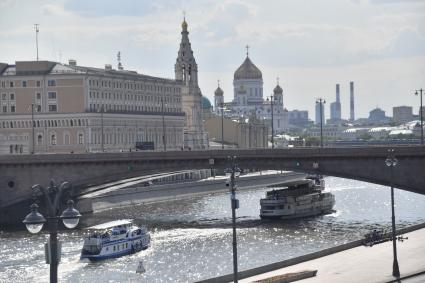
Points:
x=247, y=50
x=218, y=83
x=277, y=80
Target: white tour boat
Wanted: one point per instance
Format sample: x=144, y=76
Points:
x=300, y=198
x=115, y=239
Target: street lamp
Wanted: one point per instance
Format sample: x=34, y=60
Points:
x=272, y=98
x=222, y=108
x=33, y=128
x=321, y=101
x=164, y=141
x=391, y=161
x=233, y=171
x=101, y=128
x=422, y=123
x=34, y=221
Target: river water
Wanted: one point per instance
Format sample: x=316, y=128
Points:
x=192, y=239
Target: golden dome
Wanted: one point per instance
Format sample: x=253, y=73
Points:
x=184, y=25
x=247, y=71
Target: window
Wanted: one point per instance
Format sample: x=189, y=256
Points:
x=38, y=83
x=80, y=138
x=38, y=108
x=24, y=83
x=53, y=108
x=3, y=84
x=11, y=84
x=51, y=95
x=53, y=139
x=12, y=96
x=51, y=83
x=12, y=108
x=4, y=109
x=38, y=95
x=3, y=96
x=39, y=140
x=67, y=139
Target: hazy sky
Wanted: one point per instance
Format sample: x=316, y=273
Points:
x=310, y=45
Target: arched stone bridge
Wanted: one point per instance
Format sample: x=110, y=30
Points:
x=19, y=173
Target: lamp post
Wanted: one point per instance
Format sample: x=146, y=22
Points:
x=33, y=128
x=271, y=106
x=321, y=101
x=164, y=141
x=222, y=108
x=391, y=161
x=34, y=221
x=234, y=171
x=101, y=129
x=422, y=123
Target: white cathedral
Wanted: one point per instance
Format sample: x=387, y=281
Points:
x=248, y=98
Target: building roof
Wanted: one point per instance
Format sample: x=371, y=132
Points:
x=206, y=104
x=247, y=71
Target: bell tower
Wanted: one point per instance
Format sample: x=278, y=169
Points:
x=186, y=71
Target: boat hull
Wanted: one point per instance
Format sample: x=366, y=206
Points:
x=113, y=255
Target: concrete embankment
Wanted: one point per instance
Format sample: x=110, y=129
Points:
x=321, y=258
x=155, y=193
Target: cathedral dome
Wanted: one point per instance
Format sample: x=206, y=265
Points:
x=219, y=91
x=248, y=71
x=278, y=90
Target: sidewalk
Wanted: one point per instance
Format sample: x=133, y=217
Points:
x=363, y=264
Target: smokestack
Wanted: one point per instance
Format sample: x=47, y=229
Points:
x=337, y=93
x=352, y=101
x=72, y=62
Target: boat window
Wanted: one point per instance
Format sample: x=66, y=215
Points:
x=114, y=248
x=107, y=248
x=126, y=245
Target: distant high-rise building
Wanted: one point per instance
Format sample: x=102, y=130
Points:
x=336, y=106
x=317, y=121
x=352, y=118
x=402, y=114
x=298, y=118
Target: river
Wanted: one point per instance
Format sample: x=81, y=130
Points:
x=192, y=238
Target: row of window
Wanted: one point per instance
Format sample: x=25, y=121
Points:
x=130, y=96
x=66, y=139
x=44, y=123
x=108, y=107
x=24, y=83
x=4, y=96
x=134, y=86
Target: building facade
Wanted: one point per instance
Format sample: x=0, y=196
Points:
x=298, y=118
x=52, y=107
x=49, y=107
x=402, y=114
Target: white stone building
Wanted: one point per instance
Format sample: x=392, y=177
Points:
x=248, y=97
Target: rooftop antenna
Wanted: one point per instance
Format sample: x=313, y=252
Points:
x=218, y=83
x=119, y=61
x=36, y=37
x=247, y=50
x=184, y=16
x=277, y=79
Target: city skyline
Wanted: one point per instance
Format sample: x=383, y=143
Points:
x=380, y=45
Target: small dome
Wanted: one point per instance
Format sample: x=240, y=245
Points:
x=278, y=90
x=248, y=71
x=206, y=104
x=218, y=91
